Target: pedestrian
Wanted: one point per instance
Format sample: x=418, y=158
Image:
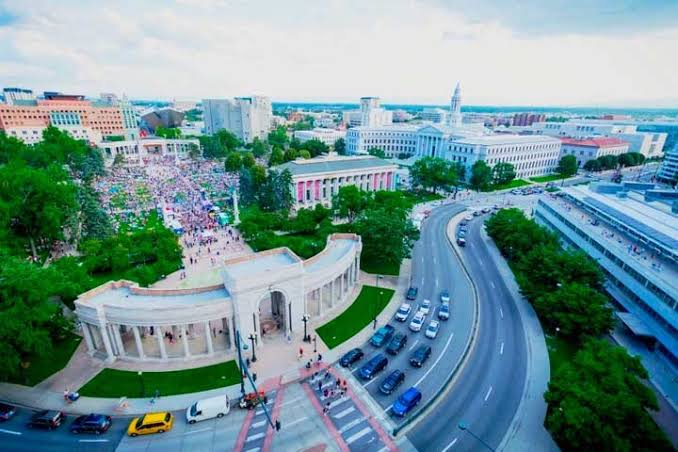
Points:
x=320, y=386
x=324, y=411
x=301, y=352
x=338, y=383
x=326, y=392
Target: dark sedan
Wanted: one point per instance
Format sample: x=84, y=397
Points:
x=48, y=419
x=6, y=411
x=420, y=355
x=351, y=357
x=382, y=336
x=392, y=382
x=412, y=293
x=396, y=344
x=92, y=423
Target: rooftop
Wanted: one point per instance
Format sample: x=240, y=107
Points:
x=503, y=139
x=597, y=142
x=331, y=163
x=251, y=265
x=124, y=296
x=335, y=250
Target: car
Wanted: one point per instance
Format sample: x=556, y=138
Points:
x=463, y=228
x=445, y=296
x=412, y=293
x=151, y=423
x=461, y=242
x=373, y=366
x=91, y=423
x=396, y=344
x=403, y=312
x=406, y=402
x=468, y=218
x=444, y=311
x=382, y=336
x=392, y=382
x=476, y=213
x=486, y=210
x=461, y=234
x=217, y=406
x=49, y=419
x=432, y=329
x=425, y=306
x=351, y=357
x=420, y=355
x=6, y=411
x=417, y=321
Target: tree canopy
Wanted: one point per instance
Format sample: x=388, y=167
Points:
x=434, y=173
x=168, y=132
x=340, y=146
x=350, y=201
x=503, y=173
x=481, y=175
x=376, y=152
x=567, y=166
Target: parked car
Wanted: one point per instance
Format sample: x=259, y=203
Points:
x=403, y=312
x=382, y=336
x=351, y=357
x=151, y=423
x=48, y=419
x=406, y=402
x=468, y=218
x=417, y=321
x=486, y=209
x=392, y=382
x=373, y=367
x=461, y=242
x=217, y=406
x=432, y=329
x=444, y=311
x=476, y=213
x=463, y=228
x=412, y=293
x=425, y=306
x=445, y=296
x=396, y=344
x=461, y=234
x=6, y=411
x=91, y=423
x=420, y=355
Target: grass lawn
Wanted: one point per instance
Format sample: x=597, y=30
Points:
x=42, y=367
x=422, y=196
x=547, y=178
x=356, y=317
x=560, y=352
x=380, y=268
x=515, y=183
x=117, y=383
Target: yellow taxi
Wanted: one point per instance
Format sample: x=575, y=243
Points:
x=151, y=423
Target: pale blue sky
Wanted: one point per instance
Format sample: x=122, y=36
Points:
x=531, y=52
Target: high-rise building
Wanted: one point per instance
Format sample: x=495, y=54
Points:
x=669, y=170
x=13, y=94
x=527, y=119
x=371, y=113
x=455, y=107
x=246, y=117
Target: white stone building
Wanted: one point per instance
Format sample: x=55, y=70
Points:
x=265, y=296
x=33, y=134
x=136, y=152
x=592, y=148
x=371, y=113
x=317, y=180
x=327, y=136
x=351, y=118
x=246, y=117
x=647, y=143
x=435, y=115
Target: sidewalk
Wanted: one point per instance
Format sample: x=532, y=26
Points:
x=527, y=431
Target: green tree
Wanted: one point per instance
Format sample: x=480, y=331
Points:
x=10, y=148
x=248, y=160
x=276, y=192
x=577, y=310
x=277, y=157
x=233, y=162
x=600, y=402
x=515, y=235
x=168, y=132
x=315, y=147
x=481, y=175
x=567, y=166
x=340, y=146
x=93, y=222
x=503, y=173
x=290, y=155
x=119, y=159
x=608, y=162
x=304, y=154
x=350, y=201
x=376, y=152
x=278, y=137
x=258, y=147
x=434, y=173
x=593, y=165
x=387, y=236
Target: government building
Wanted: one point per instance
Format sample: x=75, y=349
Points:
x=454, y=141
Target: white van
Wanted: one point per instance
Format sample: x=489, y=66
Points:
x=218, y=406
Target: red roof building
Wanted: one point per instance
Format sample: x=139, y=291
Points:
x=591, y=148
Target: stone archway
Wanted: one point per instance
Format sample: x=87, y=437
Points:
x=273, y=315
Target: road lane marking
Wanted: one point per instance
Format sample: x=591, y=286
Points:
x=358, y=435
x=433, y=314
x=501, y=312
x=415, y=343
x=96, y=440
x=492, y=284
x=255, y=436
x=351, y=424
x=388, y=408
x=254, y=449
x=11, y=432
x=255, y=424
x=301, y=419
x=345, y=412
x=290, y=401
x=204, y=430
x=369, y=382
x=436, y=361
x=422, y=281
x=501, y=350
x=338, y=402
x=489, y=391
x=436, y=283
x=454, y=441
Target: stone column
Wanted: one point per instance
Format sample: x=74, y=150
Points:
x=184, y=341
x=341, y=287
x=137, y=339
x=107, y=342
x=118, y=340
x=208, y=338
x=88, y=337
x=332, y=294
x=320, y=303
x=161, y=342
x=231, y=334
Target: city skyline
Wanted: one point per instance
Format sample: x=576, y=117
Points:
x=610, y=54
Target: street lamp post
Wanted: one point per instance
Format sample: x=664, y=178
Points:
x=464, y=427
x=141, y=380
x=374, y=321
x=241, y=365
x=305, y=319
x=253, y=337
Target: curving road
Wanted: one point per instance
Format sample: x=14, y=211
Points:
x=488, y=391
